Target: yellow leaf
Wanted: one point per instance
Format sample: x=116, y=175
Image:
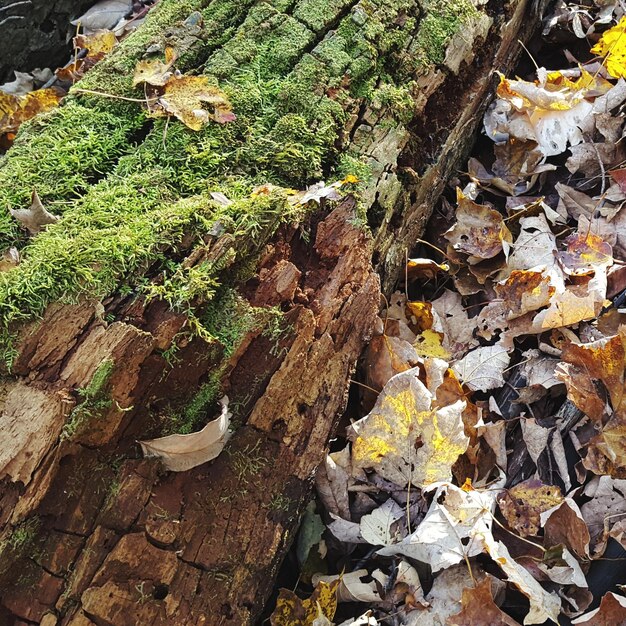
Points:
x=97, y=44
x=17, y=109
x=154, y=71
x=183, y=97
x=292, y=611
x=612, y=46
x=428, y=343
x=407, y=437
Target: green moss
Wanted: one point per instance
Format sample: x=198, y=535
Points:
x=94, y=400
x=443, y=18
x=19, y=543
x=128, y=232
x=71, y=148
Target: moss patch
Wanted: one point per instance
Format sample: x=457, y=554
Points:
x=296, y=72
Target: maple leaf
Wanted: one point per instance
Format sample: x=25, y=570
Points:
x=406, y=438
x=180, y=453
x=183, y=97
x=154, y=71
x=524, y=291
x=612, y=46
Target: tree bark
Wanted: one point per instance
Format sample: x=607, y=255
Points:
x=94, y=534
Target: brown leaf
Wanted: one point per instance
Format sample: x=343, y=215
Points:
x=586, y=253
x=611, y=612
x=524, y=291
x=479, y=608
x=292, y=611
x=480, y=231
x=619, y=176
x=564, y=525
x=602, y=360
x=523, y=504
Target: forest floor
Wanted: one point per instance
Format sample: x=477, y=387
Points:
x=478, y=477
x=479, y=473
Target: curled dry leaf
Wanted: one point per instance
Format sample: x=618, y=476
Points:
x=351, y=586
x=483, y=368
x=180, y=453
x=543, y=605
x=405, y=438
x=35, y=217
x=103, y=15
x=523, y=504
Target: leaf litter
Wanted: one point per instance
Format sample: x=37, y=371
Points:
x=483, y=480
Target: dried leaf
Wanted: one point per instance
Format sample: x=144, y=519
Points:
x=524, y=291
x=543, y=605
x=479, y=608
x=14, y=110
x=182, y=452
x=564, y=525
x=612, y=46
x=292, y=611
x=35, y=217
x=586, y=253
x=405, y=438
x=376, y=526
x=523, y=504
x=606, y=506
x=480, y=231
x=105, y=14
x=451, y=319
x=10, y=258
x=611, y=612
x=453, y=529
x=351, y=587
x=154, y=71
x=483, y=368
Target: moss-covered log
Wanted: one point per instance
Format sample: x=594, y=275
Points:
x=152, y=296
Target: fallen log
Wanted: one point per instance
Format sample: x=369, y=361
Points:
x=177, y=275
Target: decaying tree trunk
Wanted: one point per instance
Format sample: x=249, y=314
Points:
x=129, y=347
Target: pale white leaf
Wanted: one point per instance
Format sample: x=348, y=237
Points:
x=180, y=453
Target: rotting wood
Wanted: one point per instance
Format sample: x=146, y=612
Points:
x=100, y=536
